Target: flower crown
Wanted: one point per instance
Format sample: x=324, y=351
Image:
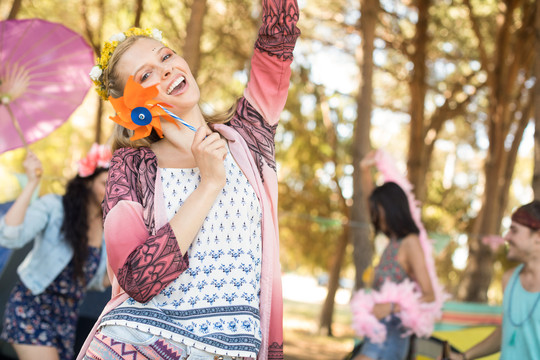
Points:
x=96, y=74
x=98, y=156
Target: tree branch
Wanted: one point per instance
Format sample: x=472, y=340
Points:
x=399, y=43
x=194, y=31
x=15, y=7
x=175, y=29
x=87, y=28
x=138, y=13
x=333, y=141
x=395, y=74
x=476, y=28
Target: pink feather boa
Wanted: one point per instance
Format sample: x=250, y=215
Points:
x=417, y=317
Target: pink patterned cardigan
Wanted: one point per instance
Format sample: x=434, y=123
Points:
x=143, y=254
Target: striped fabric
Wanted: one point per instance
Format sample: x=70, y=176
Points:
x=106, y=348
x=460, y=315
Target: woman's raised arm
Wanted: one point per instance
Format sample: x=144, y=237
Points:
x=17, y=211
x=270, y=65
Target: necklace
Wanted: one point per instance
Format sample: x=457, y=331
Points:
x=516, y=323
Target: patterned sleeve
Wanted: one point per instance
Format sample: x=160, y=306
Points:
x=270, y=64
x=144, y=259
x=259, y=110
x=278, y=32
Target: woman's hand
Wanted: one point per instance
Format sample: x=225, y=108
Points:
x=453, y=356
x=382, y=310
x=368, y=160
x=456, y=356
x=365, y=174
x=209, y=151
x=32, y=167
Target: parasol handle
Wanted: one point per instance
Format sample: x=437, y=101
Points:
x=38, y=172
x=16, y=125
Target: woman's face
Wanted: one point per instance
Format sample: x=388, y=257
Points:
x=151, y=63
x=382, y=219
x=98, y=187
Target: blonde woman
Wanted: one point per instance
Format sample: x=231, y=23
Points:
x=191, y=218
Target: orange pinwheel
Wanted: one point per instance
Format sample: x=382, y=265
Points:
x=137, y=110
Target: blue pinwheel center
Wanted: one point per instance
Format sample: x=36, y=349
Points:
x=141, y=116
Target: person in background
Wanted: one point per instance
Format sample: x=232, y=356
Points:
x=519, y=335
x=67, y=258
x=402, y=259
x=191, y=218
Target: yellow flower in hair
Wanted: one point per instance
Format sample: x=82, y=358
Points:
x=108, y=49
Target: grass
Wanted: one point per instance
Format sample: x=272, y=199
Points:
x=303, y=339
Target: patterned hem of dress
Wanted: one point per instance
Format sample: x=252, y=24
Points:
x=182, y=340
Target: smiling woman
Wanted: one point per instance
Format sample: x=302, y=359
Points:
x=190, y=225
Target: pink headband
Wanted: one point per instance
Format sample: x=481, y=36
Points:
x=98, y=156
x=523, y=217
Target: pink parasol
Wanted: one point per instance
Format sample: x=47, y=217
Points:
x=43, y=79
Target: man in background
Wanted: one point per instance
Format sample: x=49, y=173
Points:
x=519, y=335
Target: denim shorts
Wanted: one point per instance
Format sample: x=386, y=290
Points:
x=396, y=345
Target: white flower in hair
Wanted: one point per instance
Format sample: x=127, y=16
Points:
x=95, y=73
x=118, y=37
x=156, y=34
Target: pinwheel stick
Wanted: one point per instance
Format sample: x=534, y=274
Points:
x=178, y=118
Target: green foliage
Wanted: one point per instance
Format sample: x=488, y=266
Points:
x=314, y=169
x=310, y=206
x=227, y=43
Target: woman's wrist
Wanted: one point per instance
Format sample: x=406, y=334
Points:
x=33, y=182
x=210, y=187
x=29, y=188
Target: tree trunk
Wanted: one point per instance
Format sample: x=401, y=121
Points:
x=194, y=30
x=479, y=270
x=99, y=114
x=15, y=7
x=138, y=13
x=93, y=36
x=511, y=57
x=536, y=176
x=416, y=163
x=359, y=220
x=327, y=312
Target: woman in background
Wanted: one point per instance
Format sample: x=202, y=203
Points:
x=67, y=258
x=402, y=259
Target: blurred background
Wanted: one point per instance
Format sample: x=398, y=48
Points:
x=448, y=87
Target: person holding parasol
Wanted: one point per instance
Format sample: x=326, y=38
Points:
x=66, y=260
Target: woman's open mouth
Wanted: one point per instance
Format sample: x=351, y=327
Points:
x=177, y=86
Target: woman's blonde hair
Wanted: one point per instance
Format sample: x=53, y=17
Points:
x=115, y=88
